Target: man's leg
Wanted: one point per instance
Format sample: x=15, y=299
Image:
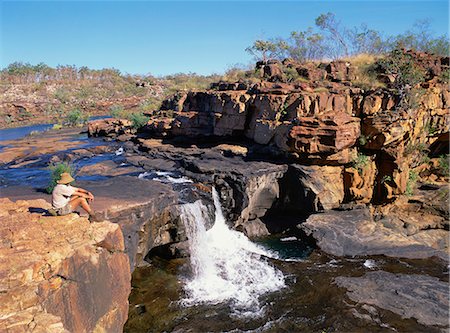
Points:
x=83, y=202
x=79, y=201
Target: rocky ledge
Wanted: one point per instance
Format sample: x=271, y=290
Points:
x=415, y=228
x=60, y=274
x=421, y=297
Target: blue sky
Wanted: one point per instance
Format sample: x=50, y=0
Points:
x=187, y=36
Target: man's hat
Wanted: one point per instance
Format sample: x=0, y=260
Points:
x=66, y=178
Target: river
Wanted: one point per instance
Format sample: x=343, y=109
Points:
x=279, y=284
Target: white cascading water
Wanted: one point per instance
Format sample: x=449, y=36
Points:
x=226, y=265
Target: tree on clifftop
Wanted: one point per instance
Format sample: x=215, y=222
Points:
x=329, y=39
x=263, y=49
x=328, y=22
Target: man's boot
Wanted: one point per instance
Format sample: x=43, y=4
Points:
x=95, y=218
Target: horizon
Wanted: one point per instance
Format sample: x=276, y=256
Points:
x=166, y=38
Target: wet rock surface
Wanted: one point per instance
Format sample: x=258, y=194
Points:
x=54, y=271
x=355, y=232
x=421, y=297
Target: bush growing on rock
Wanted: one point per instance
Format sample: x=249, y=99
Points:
x=138, y=120
x=117, y=111
x=360, y=162
x=411, y=184
x=444, y=165
x=406, y=74
x=150, y=105
x=76, y=117
x=403, y=68
x=55, y=173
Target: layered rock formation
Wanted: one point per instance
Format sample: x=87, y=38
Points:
x=146, y=211
x=361, y=146
x=60, y=274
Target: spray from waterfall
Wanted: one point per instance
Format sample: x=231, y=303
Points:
x=226, y=265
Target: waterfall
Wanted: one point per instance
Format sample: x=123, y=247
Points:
x=226, y=265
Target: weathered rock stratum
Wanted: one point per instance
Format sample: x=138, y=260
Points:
x=422, y=297
x=60, y=274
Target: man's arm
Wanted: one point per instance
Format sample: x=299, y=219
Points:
x=83, y=193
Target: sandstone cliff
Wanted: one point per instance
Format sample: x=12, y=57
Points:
x=378, y=137
x=60, y=274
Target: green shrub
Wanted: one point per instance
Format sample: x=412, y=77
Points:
x=360, y=162
x=407, y=74
x=443, y=165
x=62, y=95
x=76, y=117
x=9, y=119
x=403, y=67
x=236, y=73
x=283, y=109
x=24, y=113
x=291, y=74
x=55, y=173
x=386, y=179
x=117, y=111
x=362, y=140
x=445, y=76
x=430, y=128
x=418, y=147
x=411, y=183
x=138, y=120
x=150, y=105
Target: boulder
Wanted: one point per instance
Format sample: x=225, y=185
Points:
x=422, y=297
x=352, y=233
x=339, y=70
x=230, y=113
x=159, y=126
x=312, y=73
x=193, y=124
x=273, y=73
x=308, y=189
x=109, y=127
x=247, y=193
x=60, y=274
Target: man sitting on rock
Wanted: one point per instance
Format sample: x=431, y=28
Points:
x=66, y=198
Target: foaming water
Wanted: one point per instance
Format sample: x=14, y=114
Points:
x=226, y=265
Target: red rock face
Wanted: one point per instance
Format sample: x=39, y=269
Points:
x=326, y=134
x=109, y=127
x=324, y=121
x=60, y=274
x=340, y=71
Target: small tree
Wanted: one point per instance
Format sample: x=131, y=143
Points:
x=327, y=22
x=262, y=49
x=365, y=40
x=306, y=45
x=420, y=38
x=406, y=73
